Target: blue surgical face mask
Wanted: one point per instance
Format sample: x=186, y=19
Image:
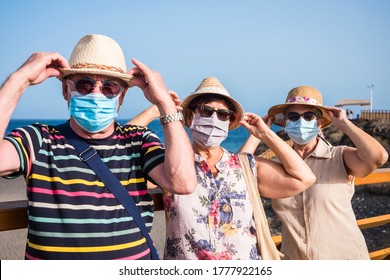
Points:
x=210, y=132
x=93, y=112
x=301, y=131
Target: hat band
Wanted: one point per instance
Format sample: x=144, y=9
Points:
x=96, y=66
x=304, y=99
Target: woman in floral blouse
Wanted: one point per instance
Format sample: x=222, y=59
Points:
x=216, y=220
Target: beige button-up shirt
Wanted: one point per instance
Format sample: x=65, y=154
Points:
x=319, y=223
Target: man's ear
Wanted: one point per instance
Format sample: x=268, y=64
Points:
x=65, y=90
x=122, y=96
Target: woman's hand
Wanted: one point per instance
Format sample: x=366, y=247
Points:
x=256, y=125
x=338, y=115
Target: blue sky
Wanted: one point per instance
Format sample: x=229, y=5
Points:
x=258, y=49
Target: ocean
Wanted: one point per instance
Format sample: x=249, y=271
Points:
x=233, y=142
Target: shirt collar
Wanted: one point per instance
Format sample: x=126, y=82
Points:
x=322, y=149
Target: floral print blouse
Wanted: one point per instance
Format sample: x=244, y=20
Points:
x=215, y=222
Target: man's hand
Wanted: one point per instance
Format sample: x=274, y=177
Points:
x=150, y=82
x=42, y=65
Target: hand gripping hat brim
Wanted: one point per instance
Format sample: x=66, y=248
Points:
x=303, y=95
x=212, y=85
x=98, y=55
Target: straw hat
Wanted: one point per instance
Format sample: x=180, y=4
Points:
x=212, y=85
x=100, y=55
x=303, y=95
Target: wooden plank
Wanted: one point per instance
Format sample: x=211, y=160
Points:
x=383, y=254
x=277, y=239
x=376, y=221
x=158, y=201
x=13, y=215
x=381, y=175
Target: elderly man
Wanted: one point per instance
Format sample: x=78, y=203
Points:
x=72, y=213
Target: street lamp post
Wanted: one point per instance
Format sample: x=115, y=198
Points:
x=371, y=90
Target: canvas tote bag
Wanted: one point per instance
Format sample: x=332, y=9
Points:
x=265, y=244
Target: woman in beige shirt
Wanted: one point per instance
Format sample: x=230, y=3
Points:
x=319, y=223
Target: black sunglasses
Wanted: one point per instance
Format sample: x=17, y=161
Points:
x=307, y=116
x=86, y=85
x=207, y=111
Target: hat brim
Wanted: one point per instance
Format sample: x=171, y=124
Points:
x=239, y=111
x=277, y=112
x=124, y=77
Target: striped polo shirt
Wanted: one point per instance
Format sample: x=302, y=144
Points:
x=72, y=215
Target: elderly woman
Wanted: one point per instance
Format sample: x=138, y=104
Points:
x=216, y=221
x=319, y=223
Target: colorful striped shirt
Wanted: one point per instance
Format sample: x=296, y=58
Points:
x=72, y=215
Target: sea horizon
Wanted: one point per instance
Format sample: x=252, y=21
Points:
x=233, y=142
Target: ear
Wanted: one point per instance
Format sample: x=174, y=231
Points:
x=65, y=90
x=188, y=117
x=320, y=123
x=122, y=97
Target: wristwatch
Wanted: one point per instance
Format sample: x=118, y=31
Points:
x=172, y=117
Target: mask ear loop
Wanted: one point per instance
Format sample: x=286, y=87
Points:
x=321, y=135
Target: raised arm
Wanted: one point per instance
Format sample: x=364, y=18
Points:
x=368, y=155
x=151, y=113
x=177, y=173
x=146, y=116
x=278, y=180
x=35, y=70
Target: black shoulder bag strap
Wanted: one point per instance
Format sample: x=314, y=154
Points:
x=89, y=155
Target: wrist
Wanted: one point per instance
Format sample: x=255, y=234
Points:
x=342, y=124
x=15, y=85
x=178, y=116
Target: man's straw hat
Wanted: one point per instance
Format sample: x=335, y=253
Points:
x=100, y=55
x=212, y=85
x=303, y=95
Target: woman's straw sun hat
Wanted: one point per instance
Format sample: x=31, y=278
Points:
x=100, y=55
x=302, y=95
x=211, y=85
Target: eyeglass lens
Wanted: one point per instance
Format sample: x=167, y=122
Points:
x=109, y=88
x=222, y=114
x=307, y=116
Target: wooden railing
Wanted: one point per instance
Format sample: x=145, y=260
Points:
x=13, y=214
x=375, y=115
